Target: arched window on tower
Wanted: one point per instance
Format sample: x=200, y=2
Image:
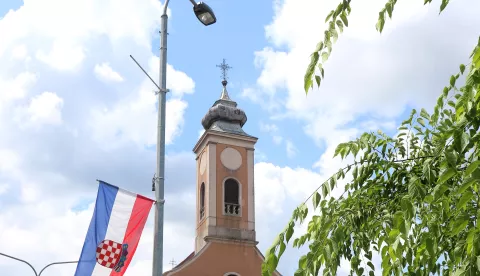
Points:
x=202, y=201
x=231, y=197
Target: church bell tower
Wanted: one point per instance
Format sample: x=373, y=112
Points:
x=225, y=176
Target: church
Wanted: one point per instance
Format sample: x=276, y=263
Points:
x=225, y=240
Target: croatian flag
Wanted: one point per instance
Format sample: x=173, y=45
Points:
x=114, y=232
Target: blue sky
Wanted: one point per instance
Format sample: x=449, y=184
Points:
x=74, y=107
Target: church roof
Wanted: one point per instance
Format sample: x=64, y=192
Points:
x=181, y=263
x=225, y=116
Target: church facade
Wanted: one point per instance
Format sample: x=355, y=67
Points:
x=225, y=242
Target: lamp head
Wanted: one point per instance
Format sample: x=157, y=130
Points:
x=204, y=13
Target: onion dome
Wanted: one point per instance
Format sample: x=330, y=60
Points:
x=224, y=115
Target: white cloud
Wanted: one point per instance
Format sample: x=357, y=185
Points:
x=64, y=55
x=369, y=77
x=269, y=128
x=47, y=172
x=45, y=108
x=178, y=82
x=274, y=185
x=15, y=88
x=277, y=139
x=3, y=188
x=20, y=52
x=136, y=120
x=80, y=21
x=104, y=72
x=273, y=130
x=291, y=149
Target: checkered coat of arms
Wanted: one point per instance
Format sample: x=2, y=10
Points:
x=112, y=254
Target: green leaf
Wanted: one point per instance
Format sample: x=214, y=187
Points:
x=429, y=199
x=371, y=265
x=310, y=71
x=324, y=189
x=461, y=140
x=452, y=79
x=443, y=5
x=329, y=16
x=332, y=182
x=302, y=263
x=325, y=56
x=380, y=24
x=424, y=114
x=430, y=248
x=421, y=121
x=282, y=249
x=446, y=175
x=459, y=272
x=316, y=199
x=476, y=58
x=472, y=167
x=289, y=233
x=319, y=46
x=469, y=240
x=439, y=191
x=318, y=80
x=467, y=183
x=389, y=8
x=343, y=16
x=459, y=225
x=466, y=197
x=340, y=25
x=445, y=91
x=334, y=35
x=462, y=68
x=451, y=158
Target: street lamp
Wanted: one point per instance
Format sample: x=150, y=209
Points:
x=34, y=271
x=205, y=14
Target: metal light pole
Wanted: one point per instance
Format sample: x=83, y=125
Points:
x=34, y=271
x=206, y=16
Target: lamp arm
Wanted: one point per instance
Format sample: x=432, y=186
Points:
x=20, y=260
x=56, y=263
x=165, y=7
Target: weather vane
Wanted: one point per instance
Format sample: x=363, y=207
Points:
x=224, y=67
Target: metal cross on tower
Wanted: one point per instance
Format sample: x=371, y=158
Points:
x=224, y=67
x=173, y=263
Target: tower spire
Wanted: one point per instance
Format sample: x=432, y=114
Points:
x=224, y=67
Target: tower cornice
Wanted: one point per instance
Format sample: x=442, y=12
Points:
x=213, y=136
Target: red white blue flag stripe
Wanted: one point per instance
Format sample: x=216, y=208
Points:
x=115, y=229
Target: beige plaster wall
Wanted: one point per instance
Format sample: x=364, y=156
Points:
x=241, y=175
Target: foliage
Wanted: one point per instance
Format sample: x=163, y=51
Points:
x=413, y=198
